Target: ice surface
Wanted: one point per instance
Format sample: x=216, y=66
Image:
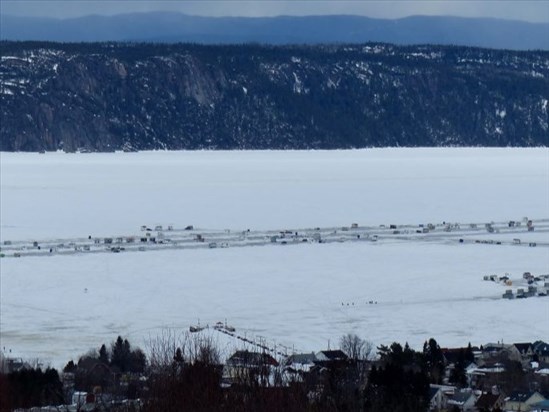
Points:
x=58, y=307
x=71, y=195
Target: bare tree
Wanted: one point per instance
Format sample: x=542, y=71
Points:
x=162, y=349
x=183, y=347
x=203, y=349
x=355, y=347
x=185, y=373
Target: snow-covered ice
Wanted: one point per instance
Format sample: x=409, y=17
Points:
x=71, y=195
x=58, y=307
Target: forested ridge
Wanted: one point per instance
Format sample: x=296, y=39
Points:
x=143, y=96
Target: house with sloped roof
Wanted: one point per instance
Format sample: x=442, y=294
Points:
x=247, y=358
x=488, y=402
x=524, y=348
x=522, y=401
x=463, y=400
x=541, y=351
x=331, y=356
x=439, y=395
x=245, y=367
x=526, y=352
x=500, y=350
x=301, y=361
x=299, y=364
x=301, y=358
x=437, y=398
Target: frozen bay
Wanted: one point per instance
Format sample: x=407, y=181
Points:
x=58, y=307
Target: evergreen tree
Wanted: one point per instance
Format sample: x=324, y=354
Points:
x=121, y=354
x=469, y=355
x=70, y=367
x=103, y=355
x=138, y=361
x=178, y=357
x=457, y=376
x=399, y=385
x=125, y=359
x=434, y=361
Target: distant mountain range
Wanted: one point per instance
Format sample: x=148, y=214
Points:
x=142, y=96
x=175, y=27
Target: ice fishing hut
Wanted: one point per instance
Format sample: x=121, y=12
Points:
x=508, y=294
x=532, y=290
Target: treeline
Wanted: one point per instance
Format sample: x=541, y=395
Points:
x=186, y=374
x=190, y=372
x=134, y=50
x=27, y=388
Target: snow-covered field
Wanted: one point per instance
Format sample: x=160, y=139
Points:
x=57, y=307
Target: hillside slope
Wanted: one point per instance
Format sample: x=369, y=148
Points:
x=112, y=96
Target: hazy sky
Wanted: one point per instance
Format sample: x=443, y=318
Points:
x=534, y=11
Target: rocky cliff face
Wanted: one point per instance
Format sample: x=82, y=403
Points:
x=104, y=97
